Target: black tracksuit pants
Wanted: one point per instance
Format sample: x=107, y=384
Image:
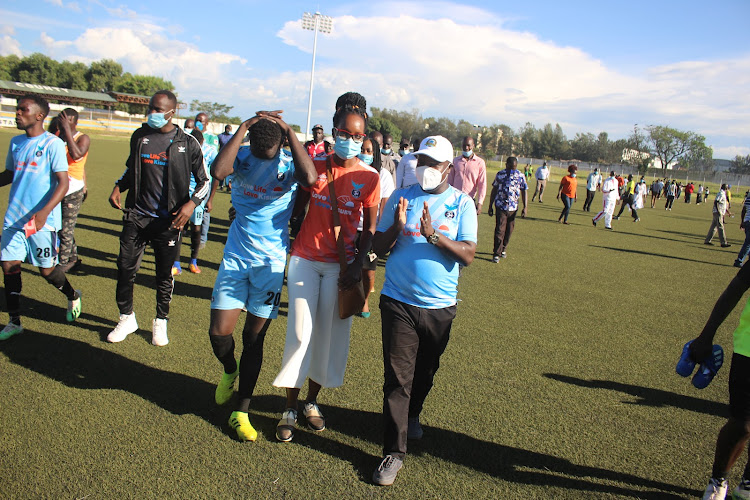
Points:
x=137, y=232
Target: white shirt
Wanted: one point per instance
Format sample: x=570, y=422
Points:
x=593, y=180
x=609, y=188
x=406, y=171
x=721, y=203
x=542, y=173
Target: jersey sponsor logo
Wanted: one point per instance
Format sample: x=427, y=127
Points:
x=412, y=230
x=280, y=176
x=322, y=178
x=346, y=201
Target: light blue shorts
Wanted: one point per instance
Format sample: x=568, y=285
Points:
x=256, y=288
x=197, y=217
x=40, y=249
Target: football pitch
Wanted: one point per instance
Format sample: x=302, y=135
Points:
x=558, y=382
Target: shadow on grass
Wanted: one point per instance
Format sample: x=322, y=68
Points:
x=641, y=252
x=655, y=398
x=83, y=366
x=116, y=219
x=679, y=233
x=506, y=463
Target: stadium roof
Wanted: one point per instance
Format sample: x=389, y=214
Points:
x=56, y=93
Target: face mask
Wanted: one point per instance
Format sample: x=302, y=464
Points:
x=156, y=120
x=467, y=154
x=429, y=178
x=199, y=126
x=365, y=158
x=403, y=152
x=572, y=175
x=346, y=149
x=385, y=151
x=188, y=130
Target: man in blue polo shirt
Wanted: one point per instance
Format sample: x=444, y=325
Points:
x=431, y=229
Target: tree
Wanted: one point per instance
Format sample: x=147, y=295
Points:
x=584, y=147
x=640, y=152
x=72, y=75
x=140, y=85
x=38, y=68
x=740, y=165
x=216, y=112
x=700, y=160
x=104, y=76
x=384, y=126
x=9, y=67
x=527, y=142
x=670, y=145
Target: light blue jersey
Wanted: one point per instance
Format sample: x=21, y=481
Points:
x=209, y=155
x=418, y=273
x=263, y=193
x=34, y=162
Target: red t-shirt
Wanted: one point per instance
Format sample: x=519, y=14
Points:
x=690, y=188
x=356, y=187
x=314, y=150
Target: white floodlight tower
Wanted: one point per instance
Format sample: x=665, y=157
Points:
x=314, y=22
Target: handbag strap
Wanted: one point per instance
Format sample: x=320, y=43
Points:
x=336, y=218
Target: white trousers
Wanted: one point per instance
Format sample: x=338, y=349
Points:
x=607, y=211
x=317, y=341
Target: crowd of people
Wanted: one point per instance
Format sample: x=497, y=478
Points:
x=354, y=199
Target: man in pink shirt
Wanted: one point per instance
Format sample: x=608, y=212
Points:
x=469, y=174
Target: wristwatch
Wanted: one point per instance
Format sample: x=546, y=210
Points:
x=433, y=238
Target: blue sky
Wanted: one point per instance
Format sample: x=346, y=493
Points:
x=589, y=66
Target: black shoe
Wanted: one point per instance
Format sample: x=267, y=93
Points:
x=727, y=245
x=593, y=222
x=708, y=243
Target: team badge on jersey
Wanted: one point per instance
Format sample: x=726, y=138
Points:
x=39, y=153
x=450, y=211
x=357, y=189
x=281, y=176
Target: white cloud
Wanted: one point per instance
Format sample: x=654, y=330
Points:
x=10, y=46
x=58, y=3
x=730, y=152
x=467, y=64
x=7, y=29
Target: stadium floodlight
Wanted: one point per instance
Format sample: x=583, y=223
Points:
x=314, y=22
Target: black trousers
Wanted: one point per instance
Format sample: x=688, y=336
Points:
x=137, y=232
x=505, y=222
x=670, y=200
x=626, y=200
x=589, y=200
x=414, y=338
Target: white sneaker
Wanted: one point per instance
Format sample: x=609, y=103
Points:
x=159, y=333
x=125, y=327
x=715, y=490
x=742, y=491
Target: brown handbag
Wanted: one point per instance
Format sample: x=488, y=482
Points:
x=351, y=301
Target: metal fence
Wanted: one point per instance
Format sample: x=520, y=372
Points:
x=735, y=180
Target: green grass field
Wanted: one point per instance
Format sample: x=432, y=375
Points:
x=558, y=381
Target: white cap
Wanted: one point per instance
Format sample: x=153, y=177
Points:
x=436, y=147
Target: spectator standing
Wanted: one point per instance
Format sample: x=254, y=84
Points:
x=567, y=192
x=316, y=146
x=509, y=185
x=77, y=145
x=225, y=136
x=469, y=174
x=720, y=208
x=542, y=175
x=671, y=195
x=610, y=195
x=431, y=230
x=593, y=184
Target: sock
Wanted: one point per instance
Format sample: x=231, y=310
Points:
x=223, y=346
x=250, y=364
x=57, y=279
x=194, y=262
x=13, y=296
x=195, y=243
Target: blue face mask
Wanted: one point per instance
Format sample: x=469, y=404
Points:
x=156, y=120
x=467, y=154
x=199, y=126
x=365, y=158
x=385, y=151
x=572, y=175
x=346, y=148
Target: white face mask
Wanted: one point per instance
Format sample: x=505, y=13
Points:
x=429, y=178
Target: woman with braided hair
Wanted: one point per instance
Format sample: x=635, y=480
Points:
x=317, y=340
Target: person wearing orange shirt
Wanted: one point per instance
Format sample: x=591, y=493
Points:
x=317, y=340
x=567, y=192
x=77, y=145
